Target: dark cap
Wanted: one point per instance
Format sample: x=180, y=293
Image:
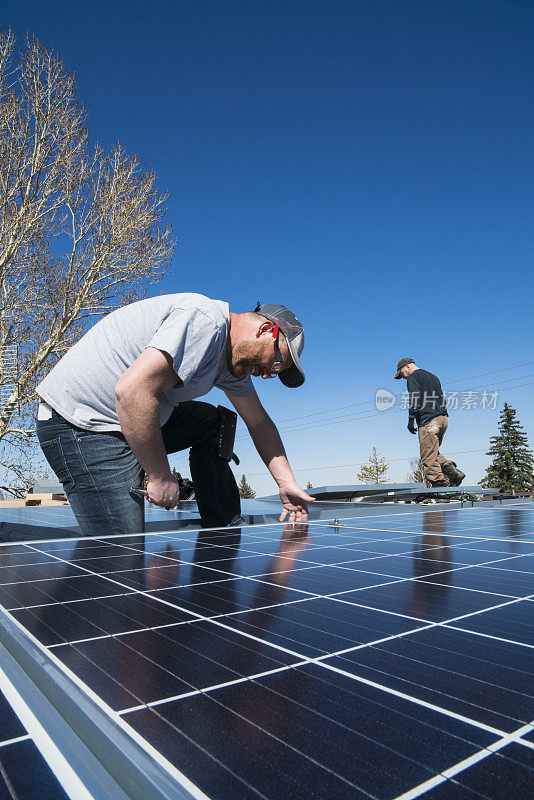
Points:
x=293, y=330
x=402, y=363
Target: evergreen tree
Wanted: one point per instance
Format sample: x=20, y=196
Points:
x=512, y=468
x=375, y=471
x=246, y=492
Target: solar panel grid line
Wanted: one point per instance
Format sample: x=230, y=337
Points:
x=414, y=662
x=320, y=659
x=15, y=740
x=444, y=622
x=168, y=625
x=412, y=699
x=184, y=622
x=525, y=742
x=62, y=770
x=252, y=551
x=202, y=618
x=287, y=602
x=362, y=791
x=236, y=613
x=450, y=533
x=488, y=636
x=398, y=636
x=457, y=769
x=465, y=588
x=205, y=690
x=345, y=565
x=72, y=602
x=347, y=530
x=302, y=662
x=469, y=589
x=336, y=595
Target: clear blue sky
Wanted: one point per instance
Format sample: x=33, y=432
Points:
x=369, y=164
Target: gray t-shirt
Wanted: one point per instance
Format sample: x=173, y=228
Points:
x=190, y=327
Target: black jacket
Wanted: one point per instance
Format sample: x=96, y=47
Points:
x=426, y=397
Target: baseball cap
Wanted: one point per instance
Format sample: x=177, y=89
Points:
x=402, y=363
x=293, y=330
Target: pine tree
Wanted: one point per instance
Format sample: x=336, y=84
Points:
x=512, y=468
x=246, y=492
x=375, y=471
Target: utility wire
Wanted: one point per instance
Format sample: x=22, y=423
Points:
x=361, y=463
x=371, y=402
x=369, y=413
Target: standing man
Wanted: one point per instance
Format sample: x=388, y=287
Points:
x=428, y=408
x=122, y=398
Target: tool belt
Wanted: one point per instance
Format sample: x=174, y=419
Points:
x=226, y=434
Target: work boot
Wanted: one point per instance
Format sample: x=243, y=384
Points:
x=452, y=472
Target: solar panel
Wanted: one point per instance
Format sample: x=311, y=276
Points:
x=24, y=772
x=25, y=523
x=388, y=656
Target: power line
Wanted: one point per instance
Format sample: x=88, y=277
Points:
x=369, y=413
x=361, y=463
x=368, y=402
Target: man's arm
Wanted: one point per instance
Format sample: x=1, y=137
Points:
x=414, y=392
x=136, y=400
x=269, y=445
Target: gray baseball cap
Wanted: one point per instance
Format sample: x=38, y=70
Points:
x=402, y=363
x=293, y=330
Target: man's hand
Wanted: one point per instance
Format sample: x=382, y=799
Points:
x=411, y=426
x=295, y=501
x=163, y=492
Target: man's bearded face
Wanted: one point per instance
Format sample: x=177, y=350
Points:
x=251, y=357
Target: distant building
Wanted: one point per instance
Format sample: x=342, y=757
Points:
x=47, y=486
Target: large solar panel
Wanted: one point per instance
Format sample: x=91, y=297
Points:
x=386, y=656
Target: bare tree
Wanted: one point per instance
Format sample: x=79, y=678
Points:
x=81, y=233
x=376, y=471
x=416, y=473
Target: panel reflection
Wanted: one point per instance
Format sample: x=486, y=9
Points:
x=432, y=555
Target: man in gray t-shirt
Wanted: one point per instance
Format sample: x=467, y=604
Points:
x=123, y=397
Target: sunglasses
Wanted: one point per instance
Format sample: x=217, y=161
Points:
x=277, y=365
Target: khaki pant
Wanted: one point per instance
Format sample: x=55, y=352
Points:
x=430, y=438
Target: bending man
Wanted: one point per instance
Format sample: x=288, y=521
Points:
x=122, y=398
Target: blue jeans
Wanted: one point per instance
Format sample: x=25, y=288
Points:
x=98, y=470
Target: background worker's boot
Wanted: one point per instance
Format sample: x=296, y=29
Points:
x=452, y=472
